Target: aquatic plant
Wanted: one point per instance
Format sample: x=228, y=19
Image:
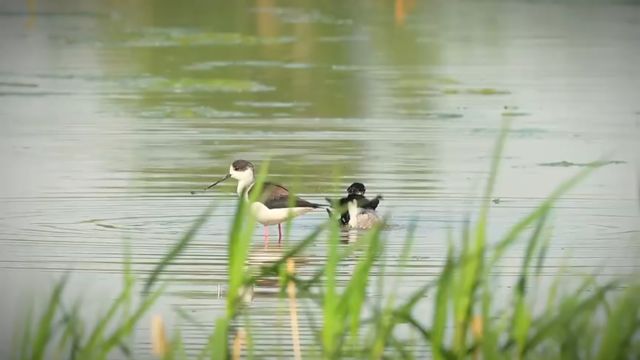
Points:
x=596, y=321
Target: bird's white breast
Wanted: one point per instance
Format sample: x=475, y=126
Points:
x=361, y=218
x=266, y=216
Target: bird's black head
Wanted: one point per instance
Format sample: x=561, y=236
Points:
x=356, y=189
x=241, y=165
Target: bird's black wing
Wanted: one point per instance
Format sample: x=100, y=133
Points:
x=369, y=204
x=275, y=196
x=286, y=202
x=345, y=200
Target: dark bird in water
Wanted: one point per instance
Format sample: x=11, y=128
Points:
x=357, y=211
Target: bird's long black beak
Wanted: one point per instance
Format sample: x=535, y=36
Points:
x=219, y=181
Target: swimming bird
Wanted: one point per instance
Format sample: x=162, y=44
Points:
x=361, y=218
x=275, y=204
x=358, y=212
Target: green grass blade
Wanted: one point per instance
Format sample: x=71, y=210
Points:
x=102, y=324
x=239, y=244
x=423, y=331
x=177, y=249
x=441, y=307
x=541, y=210
x=332, y=319
x=493, y=174
x=218, y=343
x=472, y=266
x=44, y=329
x=71, y=334
x=542, y=252
x=238, y=249
x=25, y=335
x=355, y=292
x=273, y=268
x=176, y=350
x=184, y=315
x=548, y=328
x=521, y=319
x=126, y=328
x=414, y=299
x=463, y=283
x=405, y=252
x=622, y=327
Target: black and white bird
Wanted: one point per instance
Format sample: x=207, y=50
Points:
x=358, y=212
x=275, y=204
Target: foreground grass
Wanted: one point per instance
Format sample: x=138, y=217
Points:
x=602, y=323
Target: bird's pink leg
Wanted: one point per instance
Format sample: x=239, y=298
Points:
x=279, y=233
x=266, y=236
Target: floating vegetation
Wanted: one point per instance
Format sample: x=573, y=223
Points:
x=164, y=37
x=107, y=226
x=188, y=85
x=588, y=164
x=352, y=68
x=520, y=132
x=423, y=81
x=209, y=65
x=429, y=115
x=515, y=113
x=271, y=104
x=17, y=84
x=340, y=39
x=446, y=80
x=481, y=91
x=195, y=112
x=488, y=91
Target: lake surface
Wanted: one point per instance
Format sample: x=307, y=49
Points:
x=112, y=112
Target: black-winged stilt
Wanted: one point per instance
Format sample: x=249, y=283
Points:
x=275, y=204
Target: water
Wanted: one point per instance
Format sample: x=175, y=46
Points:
x=112, y=113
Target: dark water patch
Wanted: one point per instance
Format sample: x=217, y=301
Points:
x=572, y=164
x=520, y=132
x=443, y=116
x=36, y=93
x=18, y=84
x=107, y=226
